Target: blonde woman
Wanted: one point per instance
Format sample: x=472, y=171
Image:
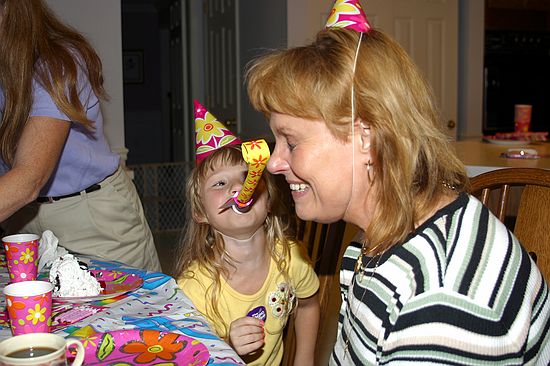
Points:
x=436, y=278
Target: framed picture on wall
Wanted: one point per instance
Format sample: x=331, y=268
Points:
x=132, y=66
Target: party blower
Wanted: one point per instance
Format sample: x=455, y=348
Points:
x=255, y=154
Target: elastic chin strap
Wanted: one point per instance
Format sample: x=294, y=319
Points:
x=353, y=119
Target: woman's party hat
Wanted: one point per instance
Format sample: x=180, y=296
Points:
x=210, y=134
x=348, y=14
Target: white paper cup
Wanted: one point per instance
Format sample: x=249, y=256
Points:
x=52, y=350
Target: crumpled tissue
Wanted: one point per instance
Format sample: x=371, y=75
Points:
x=49, y=249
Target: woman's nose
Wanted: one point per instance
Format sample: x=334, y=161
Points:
x=277, y=163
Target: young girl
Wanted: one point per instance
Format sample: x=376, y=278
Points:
x=240, y=270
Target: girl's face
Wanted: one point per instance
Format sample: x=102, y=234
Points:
x=220, y=185
x=316, y=165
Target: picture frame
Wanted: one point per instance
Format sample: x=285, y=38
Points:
x=132, y=66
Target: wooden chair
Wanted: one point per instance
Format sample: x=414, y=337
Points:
x=532, y=218
x=324, y=243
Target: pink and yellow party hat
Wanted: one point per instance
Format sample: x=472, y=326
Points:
x=348, y=14
x=210, y=134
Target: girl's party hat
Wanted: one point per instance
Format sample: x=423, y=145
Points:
x=210, y=134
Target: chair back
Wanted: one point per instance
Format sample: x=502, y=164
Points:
x=528, y=189
x=324, y=243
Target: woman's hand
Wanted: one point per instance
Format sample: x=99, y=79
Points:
x=246, y=335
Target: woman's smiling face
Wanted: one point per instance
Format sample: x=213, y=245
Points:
x=316, y=165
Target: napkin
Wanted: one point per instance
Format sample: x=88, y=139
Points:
x=49, y=249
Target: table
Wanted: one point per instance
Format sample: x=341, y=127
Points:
x=480, y=157
x=158, y=305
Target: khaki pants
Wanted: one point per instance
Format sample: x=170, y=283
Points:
x=107, y=223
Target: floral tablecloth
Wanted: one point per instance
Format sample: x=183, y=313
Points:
x=158, y=305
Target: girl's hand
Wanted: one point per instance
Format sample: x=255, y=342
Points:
x=246, y=335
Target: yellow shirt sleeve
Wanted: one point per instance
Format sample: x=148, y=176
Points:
x=304, y=278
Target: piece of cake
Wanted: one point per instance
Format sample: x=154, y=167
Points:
x=71, y=279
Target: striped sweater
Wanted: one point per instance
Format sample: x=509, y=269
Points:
x=459, y=291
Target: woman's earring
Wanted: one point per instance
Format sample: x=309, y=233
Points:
x=370, y=172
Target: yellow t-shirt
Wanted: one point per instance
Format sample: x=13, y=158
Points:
x=275, y=295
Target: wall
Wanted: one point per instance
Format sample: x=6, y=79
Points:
x=470, y=68
x=303, y=21
x=100, y=22
x=306, y=17
x=261, y=27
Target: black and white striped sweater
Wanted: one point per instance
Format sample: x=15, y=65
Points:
x=459, y=291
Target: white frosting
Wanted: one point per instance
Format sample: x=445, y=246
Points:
x=70, y=280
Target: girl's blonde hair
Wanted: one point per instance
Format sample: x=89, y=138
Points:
x=203, y=246
x=34, y=43
x=412, y=156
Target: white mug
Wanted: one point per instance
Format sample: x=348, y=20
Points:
x=39, y=349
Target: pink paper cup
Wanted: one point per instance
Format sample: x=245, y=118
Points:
x=21, y=256
x=522, y=117
x=29, y=306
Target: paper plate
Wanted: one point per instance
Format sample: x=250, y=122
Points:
x=114, y=283
x=140, y=347
x=506, y=142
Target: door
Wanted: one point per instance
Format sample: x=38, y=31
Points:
x=222, y=62
x=182, y=128
x=428, y=30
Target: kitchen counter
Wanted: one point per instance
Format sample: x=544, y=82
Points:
x=480, y=157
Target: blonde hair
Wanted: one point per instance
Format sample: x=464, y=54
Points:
x=34, y=43
x=412, y=157
x=203, y=246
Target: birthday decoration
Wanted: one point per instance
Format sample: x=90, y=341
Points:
x=258, y=313
x=348, y=14
x=210, y=134
x=255, y=154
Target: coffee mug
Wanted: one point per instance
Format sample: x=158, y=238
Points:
x=39, y=349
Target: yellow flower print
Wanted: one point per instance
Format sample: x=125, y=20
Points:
x=84, y=332
x=36, y=314
x=340, y=7
x=27, y=256
x=208, y=128
x=89, y=339
x=259, y=162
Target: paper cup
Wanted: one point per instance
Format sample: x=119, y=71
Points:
x=522, y=117
x=29, y=306
x=42, y=349
x=21, y=256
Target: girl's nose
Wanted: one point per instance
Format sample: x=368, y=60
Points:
x=236, y=187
